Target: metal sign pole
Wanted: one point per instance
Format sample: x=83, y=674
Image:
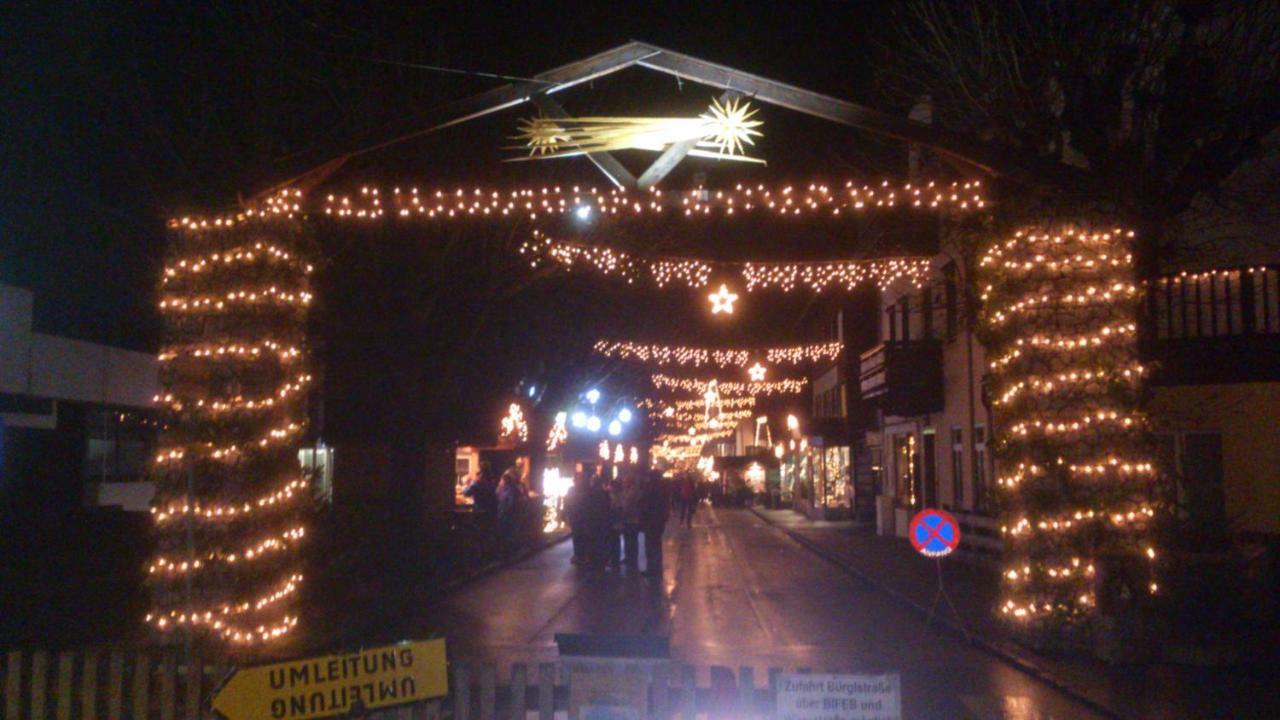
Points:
x=941, y=594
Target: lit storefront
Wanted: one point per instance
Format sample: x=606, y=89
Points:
x=815, y=479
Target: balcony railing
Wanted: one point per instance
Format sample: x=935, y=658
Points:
x=1214, y=327
x=903, y=377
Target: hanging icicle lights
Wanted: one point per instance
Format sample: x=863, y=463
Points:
x=688, y=418
x=660, y=407
x=230, y=497
x=1076, y=475
x=720, y=357
x=770, y=387
x=786, y=276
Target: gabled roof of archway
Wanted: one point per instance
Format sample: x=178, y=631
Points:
x=541, y=88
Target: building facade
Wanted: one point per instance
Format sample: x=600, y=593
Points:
x=1211, y=339
x=77, y=424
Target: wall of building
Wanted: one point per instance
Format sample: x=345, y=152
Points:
x=1245, y=417
x=53, y=391
x=963, y=363
x=39, y=365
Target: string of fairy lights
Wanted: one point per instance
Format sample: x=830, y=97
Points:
x=683, y=355
x=1077, y=478
x=235, y=294
x=230, y=497
x=701, y=385
x=817, y=276
x=815, y=198
x=411, y=202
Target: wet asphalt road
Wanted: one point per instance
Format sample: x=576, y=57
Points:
x=738, y=592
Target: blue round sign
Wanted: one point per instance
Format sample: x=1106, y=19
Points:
x=934, y=533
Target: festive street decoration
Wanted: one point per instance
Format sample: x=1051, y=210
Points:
x=230, y=496
x=407, y=203
x=756, y=372
x=720, y=133
x=722, y=301
x=693, y=437
x=559, y=434
x=816, y=276
x=681, y=419
x=513, y=426
x=722, y=357
x=815, y=199
x=789, y=385
x=1077, y=481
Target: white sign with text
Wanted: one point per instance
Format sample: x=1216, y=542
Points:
x=840, y=697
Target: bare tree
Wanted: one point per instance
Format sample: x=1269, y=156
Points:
x=1155, y=101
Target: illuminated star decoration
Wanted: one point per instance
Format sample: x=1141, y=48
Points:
x=732, y=125
x=722, y=300
x=756, y=372
x=721, y=133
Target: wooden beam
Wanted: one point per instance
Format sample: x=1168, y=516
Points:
x=819, y=105
x=485, y=103
x=672, y=156
x=608, y=164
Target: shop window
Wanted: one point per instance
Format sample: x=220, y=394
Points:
x=1195, y=460
x=904, y=469
x=951, y=291
x=957, y=467
x=926, y=312
x=833, y=486
x=118, y=445
x=929, y=467
x=980, y=468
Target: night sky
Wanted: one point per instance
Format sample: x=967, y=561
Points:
x=119, y=116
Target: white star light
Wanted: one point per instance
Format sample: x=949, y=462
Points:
x=756, y=372
x=722, y=300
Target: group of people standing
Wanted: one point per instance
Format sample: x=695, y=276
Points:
x=497, y=501
x=608, y=516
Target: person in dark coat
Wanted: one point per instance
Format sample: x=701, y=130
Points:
x=575, y=509
x=633, y=488
x=598, y=515
x=654, y=507
x=484, y=493
x=687, y=493
x=510, y=495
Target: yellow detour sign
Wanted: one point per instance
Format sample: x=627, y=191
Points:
x=336, y=684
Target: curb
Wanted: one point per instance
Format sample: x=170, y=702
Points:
x=1002, y=651
x=497, y=565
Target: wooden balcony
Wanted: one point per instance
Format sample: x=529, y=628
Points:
x=903, y=378
x=1214, y=328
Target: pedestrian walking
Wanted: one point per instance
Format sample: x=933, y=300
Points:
x=688, y=499
x=575, y=509
x=632, y=500
x=613, y=550
x=598, y=511
x=654, y=507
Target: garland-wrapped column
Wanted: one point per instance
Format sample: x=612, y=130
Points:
x=1075, y=479
x=230, y=496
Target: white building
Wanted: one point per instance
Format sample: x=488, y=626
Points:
x=76, y=417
